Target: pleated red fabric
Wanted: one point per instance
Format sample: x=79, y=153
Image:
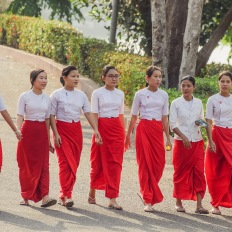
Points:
x=150, y=156
x=188, y=177
x=218, y=168
x=68, y=155
x=106, y=159
x=0, y=155
x=33, y=161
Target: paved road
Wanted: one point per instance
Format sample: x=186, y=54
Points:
x=14, y=78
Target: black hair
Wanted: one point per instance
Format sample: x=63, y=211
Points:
x=34, y=74
x=225, y=73
x=107, y=68
x=65, y=72
x=150, y=70
x=188, y=78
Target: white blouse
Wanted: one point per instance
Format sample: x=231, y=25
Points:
x=34, y=107
x=2, y=105
x=68, y=106
x=219, y=109
x=183, y=116
x=107, y=103
x=152, y=105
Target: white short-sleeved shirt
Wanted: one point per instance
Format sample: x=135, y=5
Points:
x=68, y=106
x=152, y=105
x=219, y=109
x=107, y=103
x=34, y=107
x=183, y=116
x=2, y=105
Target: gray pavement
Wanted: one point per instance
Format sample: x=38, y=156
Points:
x=14, y=78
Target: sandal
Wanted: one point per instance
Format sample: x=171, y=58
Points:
x=148, y=208
x=180, y=209
x=202, y=211
x=69, y=203
x=115, y=206
x=91, y=200
x=24, y=202
x=49, y=203
x=216, y=211
x=61, y=201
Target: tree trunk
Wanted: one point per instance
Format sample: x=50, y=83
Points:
x=4, y=4
x=191, y=38
x=113, y=27
x=176, y=12
x=159, y=40
x=207, y=49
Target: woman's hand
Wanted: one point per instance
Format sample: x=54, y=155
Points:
x=127, y=143
x=98, y=139
x=168, y=145
x=186, y=142
x=212, y=146
x=57, y=140
x=18, y=135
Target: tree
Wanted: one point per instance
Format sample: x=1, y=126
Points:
x=191, y=38
x=159, y=36
x=113, y=27
x=61, y=9
x=134, y=21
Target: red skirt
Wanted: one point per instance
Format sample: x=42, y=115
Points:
x=68, y=155
x=218, y=168
x=150, y=154
x=106, y=159
x=188, y=177
x=33, y=161
x=0, y=155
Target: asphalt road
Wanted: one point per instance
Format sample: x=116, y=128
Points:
x=14, y=78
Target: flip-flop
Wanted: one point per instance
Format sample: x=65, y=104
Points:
x=115, y=206
x=202, y=211
x=69, y=203
x=49, y=203
x=61, y=202
x=24, y=203
x=180, y=209
x=91, y=200
x=216, y=212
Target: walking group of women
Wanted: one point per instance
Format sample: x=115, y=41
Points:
x=193, y=168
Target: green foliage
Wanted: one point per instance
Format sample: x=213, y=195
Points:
x=134, y=19
x=92, y=57
x=52, y=39
x=61, y=9
x=214, y=69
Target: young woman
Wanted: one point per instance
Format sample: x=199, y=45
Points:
x=152, y=103
x=67, y=106
x=107, y=105
x=9, y=121
x=218, y=162
x=188, y=148
x=33, y=119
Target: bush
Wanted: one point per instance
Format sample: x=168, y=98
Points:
x=52, y=39
x=93, y=57
x=214, y=69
